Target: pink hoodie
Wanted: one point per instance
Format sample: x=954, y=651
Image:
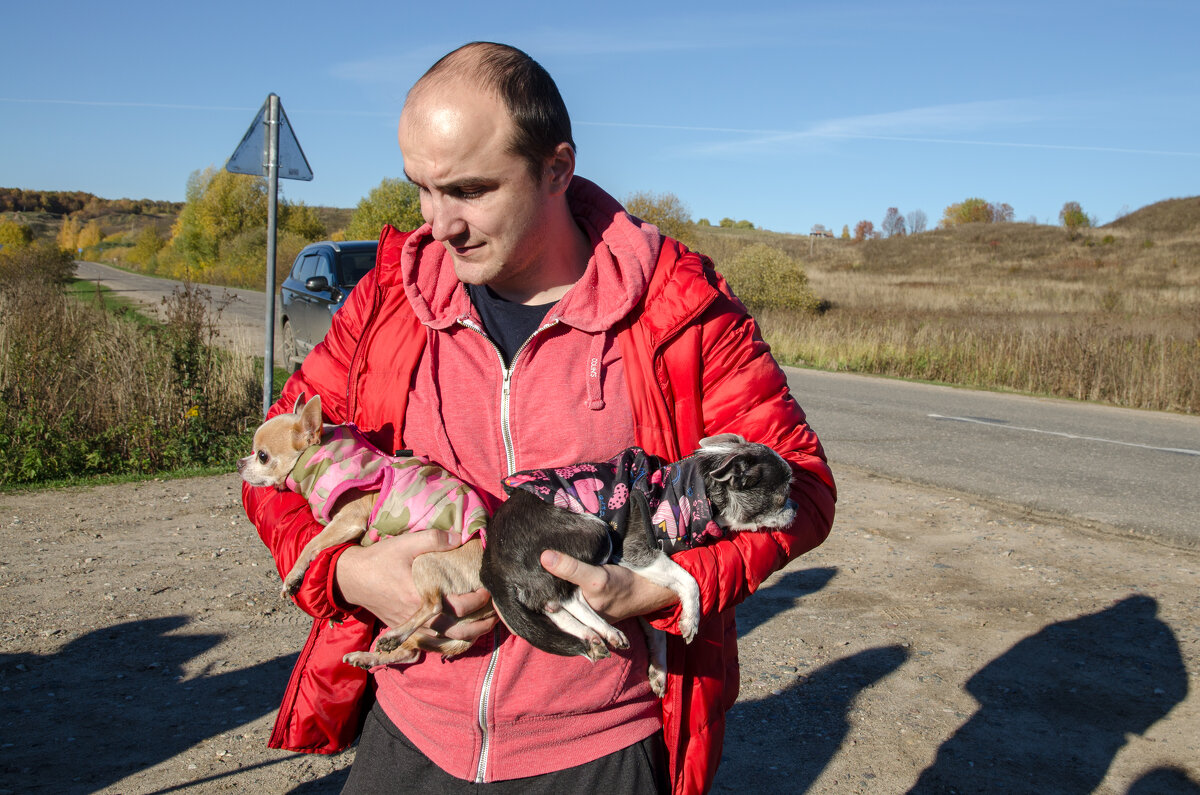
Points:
x=506, y=710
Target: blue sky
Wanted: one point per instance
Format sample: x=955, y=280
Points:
x=783, y=113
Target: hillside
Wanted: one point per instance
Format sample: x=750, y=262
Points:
x=1169, y=217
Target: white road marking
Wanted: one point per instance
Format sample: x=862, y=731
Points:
x=1182, y=450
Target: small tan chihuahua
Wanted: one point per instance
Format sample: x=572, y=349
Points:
x=361, y=494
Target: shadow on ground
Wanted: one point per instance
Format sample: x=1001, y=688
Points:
x=113, y=702
x=1057, y=706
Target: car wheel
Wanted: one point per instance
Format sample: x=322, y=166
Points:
x=291, y=356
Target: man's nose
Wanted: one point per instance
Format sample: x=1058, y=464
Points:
x=443, y=216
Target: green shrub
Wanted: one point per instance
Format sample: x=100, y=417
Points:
x=765, y=277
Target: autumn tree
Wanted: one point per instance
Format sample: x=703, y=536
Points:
x=845, y=231
x=665, y=210
x=893, y=223
x=68, y=233
x=1073, y=218
x=220, y=205
x=146, y=245
x=864, y=230
x=393, y=201
x=14, y=234
x=220, y=235
x=89, y=236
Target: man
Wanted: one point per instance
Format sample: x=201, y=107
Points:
x=530, y=323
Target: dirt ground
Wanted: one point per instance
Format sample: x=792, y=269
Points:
x=934, y=644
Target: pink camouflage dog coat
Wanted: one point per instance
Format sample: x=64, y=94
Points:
x=414, y=494
x=680, y=513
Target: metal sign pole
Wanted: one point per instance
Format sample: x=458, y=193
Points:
x=272, y=154
x=272, y=165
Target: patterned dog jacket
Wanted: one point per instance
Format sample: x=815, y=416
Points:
x=680, y=513
x=413, y=493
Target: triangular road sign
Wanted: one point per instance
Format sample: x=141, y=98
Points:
x=250, y=157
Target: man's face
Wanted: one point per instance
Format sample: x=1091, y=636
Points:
x=483, y=203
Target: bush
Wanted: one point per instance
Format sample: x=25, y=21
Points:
x=14, y=234
x=665, y=210
x=392, y=201
x=765, y=277
x=85, y=392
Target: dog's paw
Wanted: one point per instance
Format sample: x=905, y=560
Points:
x=618, y=639
x=687, y=628
x=389, y=642
x=658, y=680
x=597, y=650
x=291, y=584
x=361, y=659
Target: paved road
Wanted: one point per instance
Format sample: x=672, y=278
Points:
x=242, y=312
x=1136, y=470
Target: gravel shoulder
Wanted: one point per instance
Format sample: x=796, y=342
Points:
x=934, y=642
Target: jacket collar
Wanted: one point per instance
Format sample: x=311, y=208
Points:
x=625, y=251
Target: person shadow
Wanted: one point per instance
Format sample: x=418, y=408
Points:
x=1056, y=708
x=780, y=596
x=809, y=716
x=800, y=727
x=114, y=701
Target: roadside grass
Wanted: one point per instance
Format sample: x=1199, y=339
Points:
x=1110, y=315
x=88, y=389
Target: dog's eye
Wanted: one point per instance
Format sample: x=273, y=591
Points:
x=263, y=457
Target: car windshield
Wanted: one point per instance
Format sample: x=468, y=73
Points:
x=354, y=265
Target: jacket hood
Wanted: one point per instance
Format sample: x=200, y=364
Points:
x=624, y=252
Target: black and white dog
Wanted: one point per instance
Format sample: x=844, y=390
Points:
x=634, y=511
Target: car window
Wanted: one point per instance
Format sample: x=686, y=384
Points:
x=306, y=268
x=324, y=266
x=354, y=266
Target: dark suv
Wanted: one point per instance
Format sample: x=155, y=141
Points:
x=320, y=281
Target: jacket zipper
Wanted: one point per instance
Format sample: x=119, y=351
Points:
x=510, y=464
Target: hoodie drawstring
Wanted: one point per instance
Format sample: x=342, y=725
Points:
x=595, y=390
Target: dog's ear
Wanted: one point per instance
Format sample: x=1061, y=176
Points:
x=721, y=439
x=741, y=471
x=730, y=469
x=310, y=422
x=298, y=406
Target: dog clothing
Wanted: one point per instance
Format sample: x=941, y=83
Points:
x=680, y=513
x=413, y=493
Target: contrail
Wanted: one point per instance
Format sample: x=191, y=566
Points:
x=785, y=134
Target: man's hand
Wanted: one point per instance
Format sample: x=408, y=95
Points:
x=615, y=592
x=379, y=578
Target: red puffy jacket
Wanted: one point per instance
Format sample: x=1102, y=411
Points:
x=694, y=365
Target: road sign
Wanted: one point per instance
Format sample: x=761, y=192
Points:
x=270, y=149
x=251, y=156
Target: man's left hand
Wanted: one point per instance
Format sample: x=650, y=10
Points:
x=615, y=592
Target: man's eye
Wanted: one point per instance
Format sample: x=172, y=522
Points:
x=263, y=457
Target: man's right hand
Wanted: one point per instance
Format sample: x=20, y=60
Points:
x=379, y=577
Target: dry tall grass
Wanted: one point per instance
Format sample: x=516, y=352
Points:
x=1111, y=316
x=85, y=392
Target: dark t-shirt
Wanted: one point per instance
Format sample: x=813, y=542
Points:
x=509, y=325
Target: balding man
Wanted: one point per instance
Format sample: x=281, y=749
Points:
x=530, y=323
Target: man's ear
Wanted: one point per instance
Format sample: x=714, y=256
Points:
x=560, y=167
